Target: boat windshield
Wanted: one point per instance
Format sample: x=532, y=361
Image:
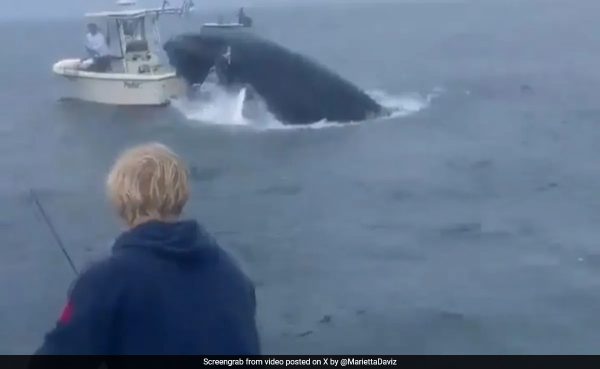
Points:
x=133, y=29
x=111, y=33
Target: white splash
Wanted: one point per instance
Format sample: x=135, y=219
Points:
x=216, y=105
x=403, y=105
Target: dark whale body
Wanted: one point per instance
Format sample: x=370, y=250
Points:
x=295, y=89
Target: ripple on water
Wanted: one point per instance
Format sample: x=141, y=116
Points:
x=280, y=190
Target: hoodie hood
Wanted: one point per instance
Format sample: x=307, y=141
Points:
x=184, y=241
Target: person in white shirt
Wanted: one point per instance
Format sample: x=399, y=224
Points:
x=97, y=49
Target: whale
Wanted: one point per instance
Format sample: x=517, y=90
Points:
x=296, y=89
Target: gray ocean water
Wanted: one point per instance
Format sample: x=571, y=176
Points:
x=469, y=224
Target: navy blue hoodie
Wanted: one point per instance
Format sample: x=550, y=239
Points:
x=167, y=289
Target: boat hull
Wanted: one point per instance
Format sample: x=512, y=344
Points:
x=119, y=88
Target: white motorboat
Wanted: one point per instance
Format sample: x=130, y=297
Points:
x=135, y=75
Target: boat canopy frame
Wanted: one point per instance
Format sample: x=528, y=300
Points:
x=134, y=13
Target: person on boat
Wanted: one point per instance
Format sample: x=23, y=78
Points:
x=168, y=288
x=243, y=19
x=97, y=49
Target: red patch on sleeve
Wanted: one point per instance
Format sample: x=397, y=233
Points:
x=67, y=313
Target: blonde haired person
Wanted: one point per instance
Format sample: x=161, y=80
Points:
x=167, y=288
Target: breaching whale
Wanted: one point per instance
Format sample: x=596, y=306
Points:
x=296, y=89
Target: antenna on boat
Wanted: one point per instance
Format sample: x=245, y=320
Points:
x=186, y=7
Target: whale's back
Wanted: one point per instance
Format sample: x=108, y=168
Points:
x=296, y=89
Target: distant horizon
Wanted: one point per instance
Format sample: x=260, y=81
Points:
x=71, y=9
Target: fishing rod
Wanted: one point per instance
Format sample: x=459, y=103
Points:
x=59, y=242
